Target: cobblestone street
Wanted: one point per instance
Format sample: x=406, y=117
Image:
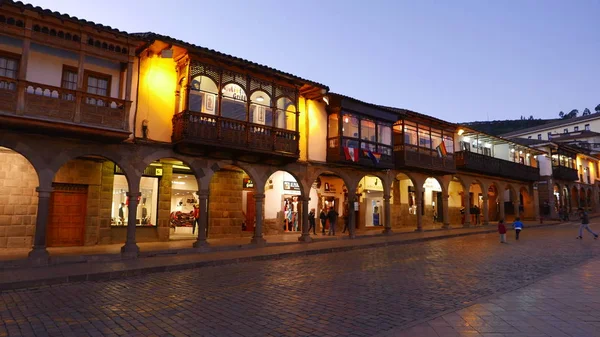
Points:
x=358, y=293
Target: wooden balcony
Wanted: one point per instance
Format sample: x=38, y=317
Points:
x=35, y=107
x=198, y=133
x=478, y=163
x=413, y=157
x=336, y=155
x=564, y=173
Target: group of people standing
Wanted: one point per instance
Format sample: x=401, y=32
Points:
x=326, y=214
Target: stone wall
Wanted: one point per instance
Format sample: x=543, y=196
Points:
x=225, y=216
x=18, y=200
x=106, y=198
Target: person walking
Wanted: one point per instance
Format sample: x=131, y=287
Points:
x=323, y=218
x=311, y=221
x=585, y=224
x=332, y=216
x=518, y=226
x=502, y=231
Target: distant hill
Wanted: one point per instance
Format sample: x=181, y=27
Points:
x=499, y=127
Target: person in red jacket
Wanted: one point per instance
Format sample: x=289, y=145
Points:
x=502, y=231
x=196, y=218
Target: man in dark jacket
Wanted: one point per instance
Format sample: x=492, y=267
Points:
x=585, y=223
x=332, y=216
x=311, y=221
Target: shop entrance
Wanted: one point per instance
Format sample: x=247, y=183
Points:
x=66, y=225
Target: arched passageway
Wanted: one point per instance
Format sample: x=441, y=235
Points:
x=331, y=200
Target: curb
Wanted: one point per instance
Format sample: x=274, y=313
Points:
x=132, y=272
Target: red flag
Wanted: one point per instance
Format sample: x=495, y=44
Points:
x=351, y=153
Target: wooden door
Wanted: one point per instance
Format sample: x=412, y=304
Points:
x=250, y=211
x=66, y=221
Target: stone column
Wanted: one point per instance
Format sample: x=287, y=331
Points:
x=419, y=201
x=131, y=249
x=305, y=236
x=203, y=220
x=486, y=209
x=467, y=210
x=516, y=206
x=445, y=211
x=258, y=239
x=39, y=253
x=351, y=213
x=387, y=209
x=500, y=199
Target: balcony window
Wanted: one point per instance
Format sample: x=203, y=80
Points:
x=69, y=81
x=410, y=134
x=350, y=126
x=8, y=67
x=587, y=127
x=97, y=84
x=203, y=95
x=424, y=139
x=233, y=104
x=436, y=138
x=576, y=128
x=539, y=136
x=260, y=108
x=333, y=131
x=384, y=137
x=285, y=116
x=367, y=131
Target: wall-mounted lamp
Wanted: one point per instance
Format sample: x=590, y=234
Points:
x=512, y=150
x=460, y=132
x=260, y=99
x=326, y=100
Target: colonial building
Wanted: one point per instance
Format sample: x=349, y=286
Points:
x=111, y=137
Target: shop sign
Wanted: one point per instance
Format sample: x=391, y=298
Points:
x=291, y=186
x=328, y=188
x=247, y=183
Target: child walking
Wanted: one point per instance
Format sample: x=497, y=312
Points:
x=518, y=226
x=502, y=231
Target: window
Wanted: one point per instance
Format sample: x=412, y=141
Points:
x=549, y=135
x=203, y=95
x=97, y=84
x=410, y=133
x=333, y=130
x=367, y=130
x=9, y=66
x=528, y=137
x=424, y=138
x=566, y=131
x=350, y=126
x=69, y=78
x=576, y=128
x=233, y=104
x=587, y=127
x=539, y=136
x=260, y=108
x=286, y=114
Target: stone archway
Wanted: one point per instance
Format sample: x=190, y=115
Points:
x=332, y=192
x=405, y=195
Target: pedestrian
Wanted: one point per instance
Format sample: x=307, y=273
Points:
x=585, y=223
x=311, y=220
x=502, y=231
x=196, y=218
x=518, y=226
x=323, y=218
x=346, y=220
x=332, y=215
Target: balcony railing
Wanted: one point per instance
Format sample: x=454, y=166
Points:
x=475, y=162
x=335, y=154
x=412, y=156
x=564, y=173
x=47, y=103
x=200, y=128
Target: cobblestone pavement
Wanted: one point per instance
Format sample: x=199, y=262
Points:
x=357, y=293
x=563, y=305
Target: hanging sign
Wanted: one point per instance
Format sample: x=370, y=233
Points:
x=291, y=186
x=247, y=183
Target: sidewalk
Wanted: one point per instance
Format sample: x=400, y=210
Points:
x=169, y=256
x=562, y=305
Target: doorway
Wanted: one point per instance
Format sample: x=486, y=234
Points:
x=250, y=212
x=66, y=224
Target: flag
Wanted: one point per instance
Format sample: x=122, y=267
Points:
x=441, y=150
x=374, y=157
x=351, y=153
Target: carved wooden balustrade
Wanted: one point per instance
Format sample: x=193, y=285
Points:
x=476, y=162
x=205, y=129
x=49, y=103
x=412, y=156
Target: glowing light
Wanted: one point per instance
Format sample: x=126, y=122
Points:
x=460, y=132
x=512, y=150
x=260, y=99
x=346, y=119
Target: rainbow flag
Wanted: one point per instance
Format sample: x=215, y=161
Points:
x=441, y=150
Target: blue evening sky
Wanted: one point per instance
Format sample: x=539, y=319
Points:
x=458, y=60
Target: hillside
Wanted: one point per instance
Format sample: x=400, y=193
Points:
x=499, y=127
